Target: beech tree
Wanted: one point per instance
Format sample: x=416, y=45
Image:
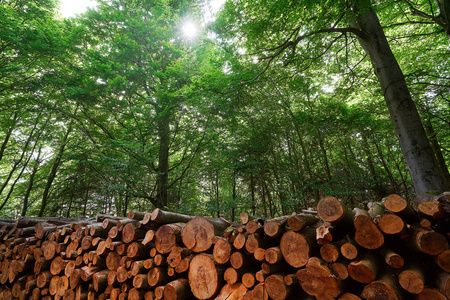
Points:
x=303, y=32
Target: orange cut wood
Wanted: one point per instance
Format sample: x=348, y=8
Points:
x=177, y=290
x=329, y=253
x=204, y=278
x=299, y=221
x=443, y=260
x=168, y=236
x=222, y=251
x=364, y=270
x=349, y=251
x=431, y=294
x=431, y=209
x=276, y=287
x=318, y=267
x=429, y=242
x=384, y=288
x=395, y=203
x=391, y=224
x=412, y=280
x=330, y=209
x=318, y=286
x=157, y=276
x=367, y=233
x=176, y=255
x=296, y=247
x=273, y=255
x=232, y=275
x=232, y=292
x=260, y=292
x=349, y=296
x=198, y=234
x=391, y=258
x=340, y=270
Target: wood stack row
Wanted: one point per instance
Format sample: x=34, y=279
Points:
x=389, y=251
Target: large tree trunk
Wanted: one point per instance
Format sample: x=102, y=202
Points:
x=413, y=139
x=163, y=159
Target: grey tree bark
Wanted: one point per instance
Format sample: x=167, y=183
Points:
x=162, y=177
x=413, y=139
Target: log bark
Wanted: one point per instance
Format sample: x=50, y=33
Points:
x=364, y=270
x=299, y=221
x=167, y=217
x=275, y=227
x=429, y=242
x=443, y=283
x=178, y=289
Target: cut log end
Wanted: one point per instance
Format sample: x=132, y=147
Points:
x=203, y=277
x=276, y=287
x=330, y=209
x=198, y=234
x=295, y=249
x=395, y=203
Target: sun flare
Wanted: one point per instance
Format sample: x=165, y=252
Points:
x=189, y=29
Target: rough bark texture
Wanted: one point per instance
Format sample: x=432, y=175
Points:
x=412, y=136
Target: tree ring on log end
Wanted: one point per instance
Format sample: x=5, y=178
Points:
x=295, y=249
x=330, y=209
x=203, y=277
x=198, y=234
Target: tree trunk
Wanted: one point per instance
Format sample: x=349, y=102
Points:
x=163, y=160
x=413, y=139
x=437, y=149
x=378, y=189
x=85, y=201
x=72, y=195
x=8, y=136
x=233, y=209
x=54, y=170
x=19, y=160
x=252, y=192
x=30, y=184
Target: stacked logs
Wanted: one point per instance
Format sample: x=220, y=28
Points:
x=389, y=251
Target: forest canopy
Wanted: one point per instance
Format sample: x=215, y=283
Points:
x=267, y=108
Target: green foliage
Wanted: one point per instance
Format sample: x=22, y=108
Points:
x=136, y=111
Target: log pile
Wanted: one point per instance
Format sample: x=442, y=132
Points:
x=387, y=251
